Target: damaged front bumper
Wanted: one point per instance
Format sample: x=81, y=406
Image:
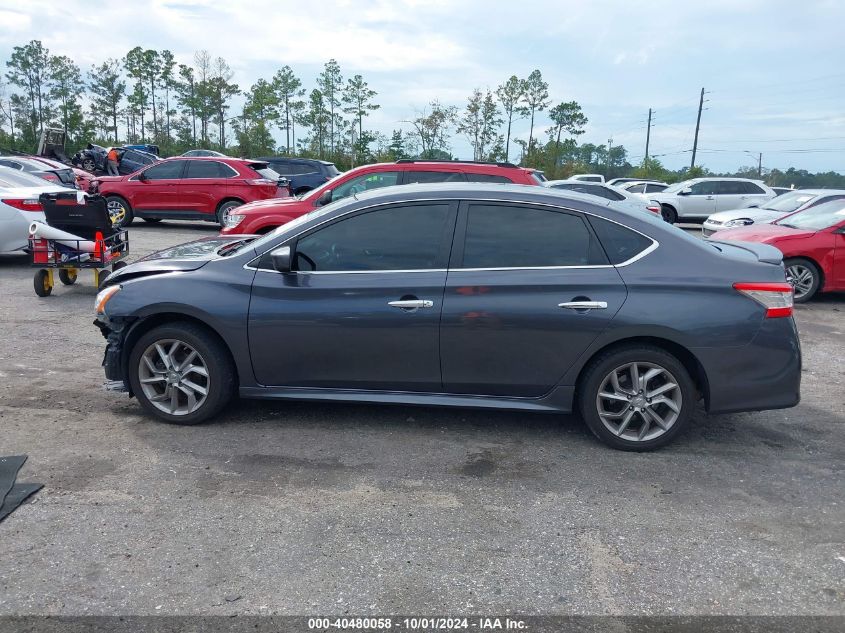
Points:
x=114, y=365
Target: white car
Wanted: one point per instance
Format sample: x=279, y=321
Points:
x=19, y=207
x=772, y=210
x=642, y=186
x=697, y=199
x=587, y=177
x=607, y=192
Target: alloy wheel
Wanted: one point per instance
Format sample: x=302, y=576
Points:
x=117, y=212
x=639, y=401
x=801, y=278
x=173, y=377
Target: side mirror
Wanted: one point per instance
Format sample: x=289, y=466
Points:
x=281, y=259
x=753, y=206
x=685, y=192
x=324, y=198
x=142, y=176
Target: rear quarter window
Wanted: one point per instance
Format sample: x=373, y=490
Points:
x=619, y=242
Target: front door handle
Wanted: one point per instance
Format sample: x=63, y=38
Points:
x=584, y=305
x=411, y=304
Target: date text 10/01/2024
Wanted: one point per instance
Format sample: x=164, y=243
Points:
x=432, y=623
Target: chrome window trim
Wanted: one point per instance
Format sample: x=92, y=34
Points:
x=645, y=252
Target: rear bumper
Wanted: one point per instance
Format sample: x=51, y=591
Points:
x=765, y=374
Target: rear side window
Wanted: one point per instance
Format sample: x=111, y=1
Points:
x=331, y=170
x=487, y=178
x=514, y=236
x=636, y=189
x=730, y=187
x=620, y=243
x=752, y=188
x=209, y=169
x=433, y=176
x=651, y=188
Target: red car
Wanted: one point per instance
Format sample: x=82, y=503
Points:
x=261, y=217
x=813, y=245
x=188, y=189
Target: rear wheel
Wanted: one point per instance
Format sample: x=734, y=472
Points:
x=805, y=278
x=668, y=214
x=225, y=209
x=636, y=398
x=181, y=373
x=119, y=211
x=88, y=164
x=67, y=277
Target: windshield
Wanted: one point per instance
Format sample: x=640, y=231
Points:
x=789, y=202
x=677, y=186
x=266, y=172
x=817, y=218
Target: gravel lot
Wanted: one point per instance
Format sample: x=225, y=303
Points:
x=333, y=509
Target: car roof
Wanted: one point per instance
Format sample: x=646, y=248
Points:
x=815, y=192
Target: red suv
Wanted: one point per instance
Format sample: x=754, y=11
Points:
x=189, y=189
x=261, y=217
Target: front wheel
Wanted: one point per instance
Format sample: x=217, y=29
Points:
x=636, y=398
x=88, y=164
x=181, y=373
x=805, y=278
x=668, y=214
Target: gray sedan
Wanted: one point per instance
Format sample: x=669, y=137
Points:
x=474, y=295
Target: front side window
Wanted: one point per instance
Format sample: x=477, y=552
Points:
x=410, y=237
x=705, y=188
x=433, y=176
x=515, y=236
x=753, y=189
x=167, y=170
x=365, y=182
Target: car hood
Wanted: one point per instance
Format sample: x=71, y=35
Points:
x=180, y=258
x=110, y=178
x=758, y=215
x=764, y=233
x=273, y=204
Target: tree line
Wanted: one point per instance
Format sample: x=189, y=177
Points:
x=147, y=97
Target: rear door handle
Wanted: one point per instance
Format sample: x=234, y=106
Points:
x=584, y=305
x=411, y=304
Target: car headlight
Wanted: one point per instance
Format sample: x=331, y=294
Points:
x=232, y=220
x=739, y=222
x=104, y=296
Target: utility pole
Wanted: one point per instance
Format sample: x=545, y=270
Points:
x=760, y=165
x=647, y=135
x=609, y=147
x=697, y=125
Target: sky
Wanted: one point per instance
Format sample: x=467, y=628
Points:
x=772, y=69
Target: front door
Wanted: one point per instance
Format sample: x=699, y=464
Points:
x=361, y=309
x=529, y=289
x=701, y=200
x=838, y=259
x=158, y=190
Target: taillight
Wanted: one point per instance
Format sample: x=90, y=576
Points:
x=653, y=208
x=260, y=181
x=31, y=204
x=775, y=297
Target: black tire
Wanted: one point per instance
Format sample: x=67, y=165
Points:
x=128, y=216
x=808, y=272
x=603, y=365
x=41, y=283
x=221, y=372
x=67, y=277
x=225, y=208
x=668, y=214
x=152, y=220
x=101, y=278
x=118, y=265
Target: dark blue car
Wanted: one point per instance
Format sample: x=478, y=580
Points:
x=473, y=295
x=304, y=174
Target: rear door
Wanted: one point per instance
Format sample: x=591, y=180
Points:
x=159, y=189
x=361, y=309
x=204, y=185
x=730, y=194
x=529, y=288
